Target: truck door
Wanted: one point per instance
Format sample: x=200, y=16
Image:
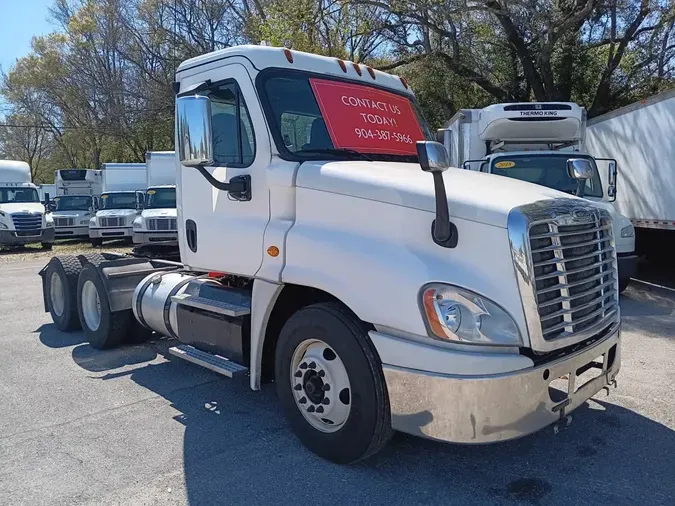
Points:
x=222, y=233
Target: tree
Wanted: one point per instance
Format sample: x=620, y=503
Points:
x=22, y=138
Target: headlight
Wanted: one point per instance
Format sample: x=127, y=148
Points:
x=458, y=315
x=92, y=222
x=627, y=231
x=138, y=223
x=49, y=221
x=84, y=222
x=3, y=226
x=2, y=213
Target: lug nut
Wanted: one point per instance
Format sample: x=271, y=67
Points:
x=310, y=409
x=326, y=387
x=298, y=374
x=298, y=387
x=319, y=409
x=312, y=365
x=325, y=401
x=303, y=366
x=303, y=400
x=321, y=373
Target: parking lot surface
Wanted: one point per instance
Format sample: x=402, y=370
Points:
x=134, y=426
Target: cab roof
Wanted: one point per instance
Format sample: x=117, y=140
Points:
x=262, y=57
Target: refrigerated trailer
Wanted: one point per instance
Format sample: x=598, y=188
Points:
x=537, y=142
x=640, y=137
x=77, y=193
x=439, y=302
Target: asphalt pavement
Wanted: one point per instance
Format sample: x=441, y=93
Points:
x=135, y=426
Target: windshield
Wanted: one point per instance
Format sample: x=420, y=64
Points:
x=118, y=201
x=160, y=198
x=73, y=203
x=546, y=170
x=8, y=195
x=314, y=117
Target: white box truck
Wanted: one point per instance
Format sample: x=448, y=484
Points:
x=640, y=137
x=77, y=193
x=439, y=302
x=157, y=222
x=533, y=142
x=121, y=202
x=23, y=218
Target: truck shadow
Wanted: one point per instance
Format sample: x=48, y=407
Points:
x=237, y=446
x=52, y=337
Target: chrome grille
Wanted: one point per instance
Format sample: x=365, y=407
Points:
x=162, y=224
x=574, y=274
x=25, y=222
x=112, y=222
x=64, y=222
x=566, y=268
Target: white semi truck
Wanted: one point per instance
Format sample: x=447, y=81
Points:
x=23, y=218
x=640, y=137
x=120, y=204
x=325, y=246
x=77, y=193
x=157, y=221
x=533, y=142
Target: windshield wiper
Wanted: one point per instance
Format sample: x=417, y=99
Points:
x=337, y=151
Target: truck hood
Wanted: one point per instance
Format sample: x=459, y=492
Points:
x=71, y=214
x=159, y=213
x=115, y=213
x=474, y=196
x=22, y=207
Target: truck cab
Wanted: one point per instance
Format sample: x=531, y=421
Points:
x=121, y=202
x=158, y=220
x=533, y=142
x=23, y=218
x=327, y=245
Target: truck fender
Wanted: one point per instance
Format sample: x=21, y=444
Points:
x=264, y=297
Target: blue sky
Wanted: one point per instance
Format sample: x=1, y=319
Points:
x=20, y=20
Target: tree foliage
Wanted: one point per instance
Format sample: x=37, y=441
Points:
x=99, y=87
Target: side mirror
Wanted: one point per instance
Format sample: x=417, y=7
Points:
x=580, y=169
x=433, y=156
x=139, y=200
x=434, y=159
x=611, y=181
x=51, y=205
x=193, y=122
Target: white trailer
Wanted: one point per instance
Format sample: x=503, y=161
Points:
x=378, y=296
x=79, y=182
x=46, y=192
x=121, y=202
x=640, y=137
x=533, y=142
x=23, y=218
x=158, y=220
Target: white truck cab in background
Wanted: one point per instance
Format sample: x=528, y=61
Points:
x=76, y=200
x=157, y=221
x=533, y=141
x=23, y=218
x=326, y=244
x=121, y=202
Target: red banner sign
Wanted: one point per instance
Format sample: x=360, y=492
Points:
x=366, y=119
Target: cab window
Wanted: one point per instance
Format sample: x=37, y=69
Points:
x=232, y=130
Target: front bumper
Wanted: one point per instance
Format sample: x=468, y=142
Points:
x=110, y=233
x=10, y=237
x=491, y=408
x=65, y=232
x=144, y=237
x=627, y=264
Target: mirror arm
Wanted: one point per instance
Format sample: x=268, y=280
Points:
x=239, y=187
x=443, y=231
x=581, y=185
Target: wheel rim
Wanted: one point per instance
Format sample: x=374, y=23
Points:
x=320, y=385
x=56, y=294
x=91, y=305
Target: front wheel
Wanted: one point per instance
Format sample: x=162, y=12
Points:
x=96, y=242
x=46, y=246
x=330, y=384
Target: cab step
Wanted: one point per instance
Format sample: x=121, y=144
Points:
x=238, y=307
x=216, y=363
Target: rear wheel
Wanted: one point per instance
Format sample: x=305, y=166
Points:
x=102, y=327
x=61, y=291
x=330, y=384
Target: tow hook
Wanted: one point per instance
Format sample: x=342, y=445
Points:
x=568, y=421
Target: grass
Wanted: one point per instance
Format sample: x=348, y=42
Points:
x=62, y=247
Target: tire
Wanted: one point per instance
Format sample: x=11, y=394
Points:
x=64, y=270
x=367, y=427
x=112, y=327
x=46, y=246
x=623, y=284
x=96, y=242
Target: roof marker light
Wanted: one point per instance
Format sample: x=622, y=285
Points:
x=289, y=55
x=357, y=68
x=371, y=72
x=342, y=66
x=404, y=82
